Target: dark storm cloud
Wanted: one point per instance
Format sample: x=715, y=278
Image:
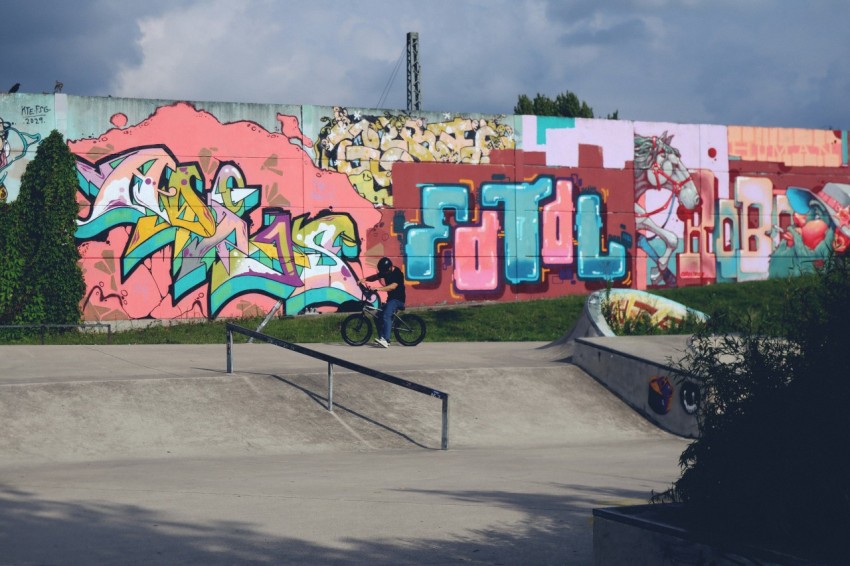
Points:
x=78, y=43
x=759, y=62
x=766, y=66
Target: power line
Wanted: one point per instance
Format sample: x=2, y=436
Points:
x=389, y=85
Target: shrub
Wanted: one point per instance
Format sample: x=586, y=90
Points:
x=42, y=281
x=770, y=464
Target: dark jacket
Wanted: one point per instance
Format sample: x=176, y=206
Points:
x=394, y=276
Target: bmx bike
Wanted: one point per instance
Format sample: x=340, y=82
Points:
x=356, y=328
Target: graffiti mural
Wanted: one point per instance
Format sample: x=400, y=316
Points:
x=15, y=146
x=523, y=230
x=206, y=210
x=366, y=147
x=660, y=396
x=189, y=237
x=659, y=167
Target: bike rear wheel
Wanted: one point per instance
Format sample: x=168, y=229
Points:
x=356, y=329
x=409, y=329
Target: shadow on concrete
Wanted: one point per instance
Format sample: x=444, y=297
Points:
x=322, y=400
x=553, y=531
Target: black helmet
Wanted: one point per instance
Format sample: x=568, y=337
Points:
x=384, y=265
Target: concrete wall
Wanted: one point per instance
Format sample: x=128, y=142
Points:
x=641, y=371
x=204, y=209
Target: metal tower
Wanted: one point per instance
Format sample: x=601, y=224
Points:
x=414, y=101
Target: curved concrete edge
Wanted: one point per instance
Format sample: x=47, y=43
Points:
x=640, y=370
x=633, y=300
x=586, y=325
x=593, y=323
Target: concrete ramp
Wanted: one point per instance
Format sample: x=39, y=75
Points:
x=587, y=325
x=640, y=370
x=171, y=401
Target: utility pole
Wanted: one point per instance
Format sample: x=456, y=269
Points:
x=414, y=101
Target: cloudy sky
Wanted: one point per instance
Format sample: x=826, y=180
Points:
x=746, y=62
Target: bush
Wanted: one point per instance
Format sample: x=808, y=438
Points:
x=770, y=463
x=42, y=282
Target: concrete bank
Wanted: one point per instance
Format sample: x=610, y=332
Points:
x=152, y=454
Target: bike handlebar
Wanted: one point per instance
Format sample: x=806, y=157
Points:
x=367, y=292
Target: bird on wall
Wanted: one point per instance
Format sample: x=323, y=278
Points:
x=15, y=87
x=59, y=86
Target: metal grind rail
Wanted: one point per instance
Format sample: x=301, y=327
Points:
x=333, y=360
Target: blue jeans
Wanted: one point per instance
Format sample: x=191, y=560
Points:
x=387, y=318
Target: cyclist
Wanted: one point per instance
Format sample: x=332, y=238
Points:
x=393, y=284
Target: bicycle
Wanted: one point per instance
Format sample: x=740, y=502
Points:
x=356, y=329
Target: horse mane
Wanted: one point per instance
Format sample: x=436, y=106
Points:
x=647, y=149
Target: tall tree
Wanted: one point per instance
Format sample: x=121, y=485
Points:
x=524, y=105
x=45, y=283
x=567, y=105
x=10, y=272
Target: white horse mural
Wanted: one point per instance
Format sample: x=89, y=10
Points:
x=658, y=167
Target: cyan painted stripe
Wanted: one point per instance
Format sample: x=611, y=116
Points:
x=551, y=123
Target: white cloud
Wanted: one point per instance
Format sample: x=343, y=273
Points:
x=200, y=51
x=767, y=62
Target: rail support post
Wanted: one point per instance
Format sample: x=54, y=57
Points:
x=445, y=440
x=229, y=351
x=330, y=387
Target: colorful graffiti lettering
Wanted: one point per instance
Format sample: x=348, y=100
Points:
x=535, y=221
x=365, y=147
x=624, y=305
x=168, y=205
x=225, y=210
x=765, y=231
x=213, y=239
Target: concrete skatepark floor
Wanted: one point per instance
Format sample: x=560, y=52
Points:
x=152, y=454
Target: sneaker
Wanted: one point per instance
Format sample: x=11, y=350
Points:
x=382, y=342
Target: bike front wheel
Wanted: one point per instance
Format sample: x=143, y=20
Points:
x=356, y=329
x=409, y=329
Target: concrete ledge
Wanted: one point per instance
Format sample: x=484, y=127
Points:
x=652, y=534
x=639, y=370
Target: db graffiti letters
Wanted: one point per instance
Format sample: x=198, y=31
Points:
x=521, y=229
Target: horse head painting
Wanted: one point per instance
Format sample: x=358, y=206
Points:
x=14, y=145
x=658, y=167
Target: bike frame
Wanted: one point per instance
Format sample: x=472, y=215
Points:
x=373, y=312
x=408, y=329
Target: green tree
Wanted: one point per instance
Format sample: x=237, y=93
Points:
x=524, y=105
x=567, y=104
x=10, y=263
x=769, y=464
x=43, y=283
